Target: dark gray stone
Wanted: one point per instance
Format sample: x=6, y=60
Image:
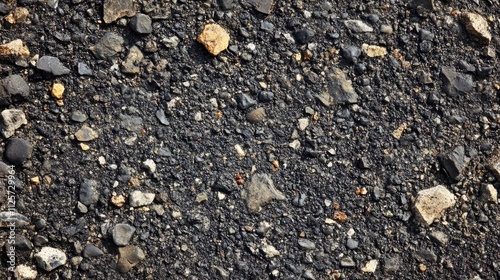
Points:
x=455, y=162
x=17, y=151
x=40, y=240
x=351, y=53
x=455, y=83
x=131, y=123
x=266, y=96
x=391, y=265
x=88, y=192
x=244, y=101
x=91, y=251
x=141, y=24
x=340, y=88
x=226, y=4
x=303, y=36
x=14, y=87
x=22, y=243
x=109, y=45
x=264, y=6
x=51, y=65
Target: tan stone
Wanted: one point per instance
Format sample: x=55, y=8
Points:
x=477, y=26
x=130, y=256
x=14, y=49
x=115, y=9
x=18, y=15
x=431, y=203
x=374, y=51
x=215, y=38
x=256, y=115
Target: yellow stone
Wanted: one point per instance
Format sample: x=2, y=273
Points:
x=35, y=180
x=215, y=38
x=84, y=147
x=57, y=90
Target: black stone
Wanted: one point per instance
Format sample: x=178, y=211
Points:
x=244, y=101
x=17, y=151
x=351, y=53
x=303, y=36
x=455, y=162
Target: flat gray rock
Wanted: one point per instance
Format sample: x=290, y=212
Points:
x=455, y=83
x=109, y=45
x=259, y=192
x=51, y=65
x=122, y=233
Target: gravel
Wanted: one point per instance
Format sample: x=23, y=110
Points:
x=252, y=139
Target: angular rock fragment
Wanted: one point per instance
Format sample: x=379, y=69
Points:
x=115, y=9
x=51, y=65
x=17, y=16
x=454, y=82
x=134, y=57
x=455, y=162
x=138, y=198
x=13, y=87
x=477, y=26
x=494, y=164
x=431, y=203
x=141, y=24
x=357, y=26
x=109, y=45
x=122, y=233
x=489, y=193
x=130, y=256
x=86, y=134
x=256, y=115
x=88, y=193
x=50, y=258
x=339, y=88
x=25, y=272
x=8, y=217
x=259, y=192
x=84, y=69
x=215, y=38
x=91, y=251
x=12, y=119
x=264, y=6
x=370, y=266
x=14, y=49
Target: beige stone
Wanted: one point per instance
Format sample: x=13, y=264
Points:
x=18, y=15
x=215, y=38
x=431, y=203
x=115, y=9
x=477, y=26
x=14, y=49
x=374, y=51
